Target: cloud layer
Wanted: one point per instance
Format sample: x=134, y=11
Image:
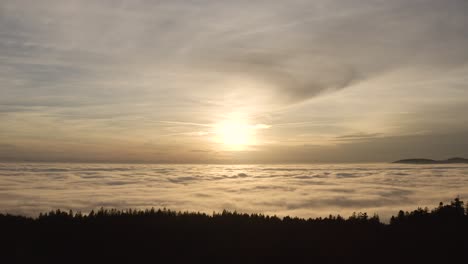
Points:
x=299, y=190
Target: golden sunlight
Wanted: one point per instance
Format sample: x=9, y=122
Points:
x=235, y=135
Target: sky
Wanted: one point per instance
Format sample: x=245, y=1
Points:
x=215, y=81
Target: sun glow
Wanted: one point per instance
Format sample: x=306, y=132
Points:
x=235, y=135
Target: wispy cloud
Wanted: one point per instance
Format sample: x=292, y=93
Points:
x=319, y=68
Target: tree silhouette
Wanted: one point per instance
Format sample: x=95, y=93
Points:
x=111, y=235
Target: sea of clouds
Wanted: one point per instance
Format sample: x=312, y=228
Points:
x=296, y=190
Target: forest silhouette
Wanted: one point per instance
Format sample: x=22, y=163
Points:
x=439, y=235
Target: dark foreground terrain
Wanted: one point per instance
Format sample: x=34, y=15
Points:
x=163, y=236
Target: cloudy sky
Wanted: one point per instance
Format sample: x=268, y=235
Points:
x=233, y=81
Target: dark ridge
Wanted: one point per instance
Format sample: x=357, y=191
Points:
x=430, y=161
x=439, y=235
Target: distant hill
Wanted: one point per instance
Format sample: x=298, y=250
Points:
x=430, y=161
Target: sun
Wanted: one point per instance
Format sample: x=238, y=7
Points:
x=235, y=135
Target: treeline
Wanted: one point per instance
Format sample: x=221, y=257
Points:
x=166, y=236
